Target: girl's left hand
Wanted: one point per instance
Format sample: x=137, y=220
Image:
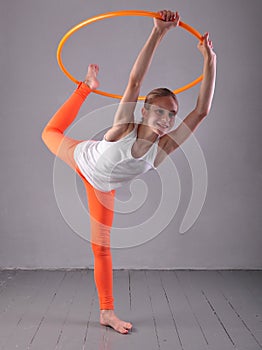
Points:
x=168, y=20
x=206, y=47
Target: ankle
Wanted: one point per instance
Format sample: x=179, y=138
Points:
x=105, y=311
x=87, y=83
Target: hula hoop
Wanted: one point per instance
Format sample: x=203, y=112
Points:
x=100, y=17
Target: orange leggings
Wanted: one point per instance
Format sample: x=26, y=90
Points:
x=101, y=204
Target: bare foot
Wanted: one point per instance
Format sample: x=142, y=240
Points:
x=90, y=78
x=108, y=318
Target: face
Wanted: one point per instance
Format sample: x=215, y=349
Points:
x=160, y=116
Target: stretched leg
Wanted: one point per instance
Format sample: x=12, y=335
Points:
x=53, y=134
x=101, y=208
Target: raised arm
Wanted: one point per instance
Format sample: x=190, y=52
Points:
x=176, y=137
x=125, y=112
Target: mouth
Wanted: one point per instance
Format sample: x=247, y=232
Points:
x=164, y=127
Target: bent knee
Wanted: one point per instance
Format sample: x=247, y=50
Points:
x=50, y=133
x=52, y=138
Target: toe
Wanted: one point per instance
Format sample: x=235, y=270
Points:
x=95, y=67
x=123, y=330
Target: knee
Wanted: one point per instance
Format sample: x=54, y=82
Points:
x=52, y=138
x=49, y=132
x=46, y=134
x=100, y=250
x=47, y=139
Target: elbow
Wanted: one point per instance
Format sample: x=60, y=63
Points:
x=202, y=113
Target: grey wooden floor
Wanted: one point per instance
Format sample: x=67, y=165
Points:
x=189, y=310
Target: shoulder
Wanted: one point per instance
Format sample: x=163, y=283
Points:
x=117, y=132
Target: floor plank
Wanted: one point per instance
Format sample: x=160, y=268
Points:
x=164, y=323
x=144, y=334
x=190, y=333
x=74, y=332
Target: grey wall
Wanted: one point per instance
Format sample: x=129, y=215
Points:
x=227, y=233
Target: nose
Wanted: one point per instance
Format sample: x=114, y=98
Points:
x=165, y=117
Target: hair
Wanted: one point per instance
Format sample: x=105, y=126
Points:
x=156, y=93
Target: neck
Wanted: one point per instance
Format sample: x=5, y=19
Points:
x=144, y=132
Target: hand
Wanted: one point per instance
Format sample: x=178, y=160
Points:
x=168, y=20
x=206, y=47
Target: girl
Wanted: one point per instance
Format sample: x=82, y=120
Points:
x=128, y=149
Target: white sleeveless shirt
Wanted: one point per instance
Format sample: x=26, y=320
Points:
x=108, y=165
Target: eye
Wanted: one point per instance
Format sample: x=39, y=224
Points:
x=159, y=111
x=171, y=115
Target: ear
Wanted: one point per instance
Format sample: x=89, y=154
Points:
x=144, y=112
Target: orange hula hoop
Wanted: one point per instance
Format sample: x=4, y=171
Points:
x=100, y=17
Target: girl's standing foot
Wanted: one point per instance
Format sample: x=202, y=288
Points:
x=108, y=318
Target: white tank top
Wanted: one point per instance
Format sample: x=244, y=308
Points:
x=109, y=164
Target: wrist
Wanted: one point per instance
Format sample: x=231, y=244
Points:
x=210, y=58
x=160, y=31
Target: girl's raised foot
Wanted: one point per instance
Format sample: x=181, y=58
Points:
x=91, y=76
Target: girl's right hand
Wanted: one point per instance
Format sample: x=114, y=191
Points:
x=168, y=20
